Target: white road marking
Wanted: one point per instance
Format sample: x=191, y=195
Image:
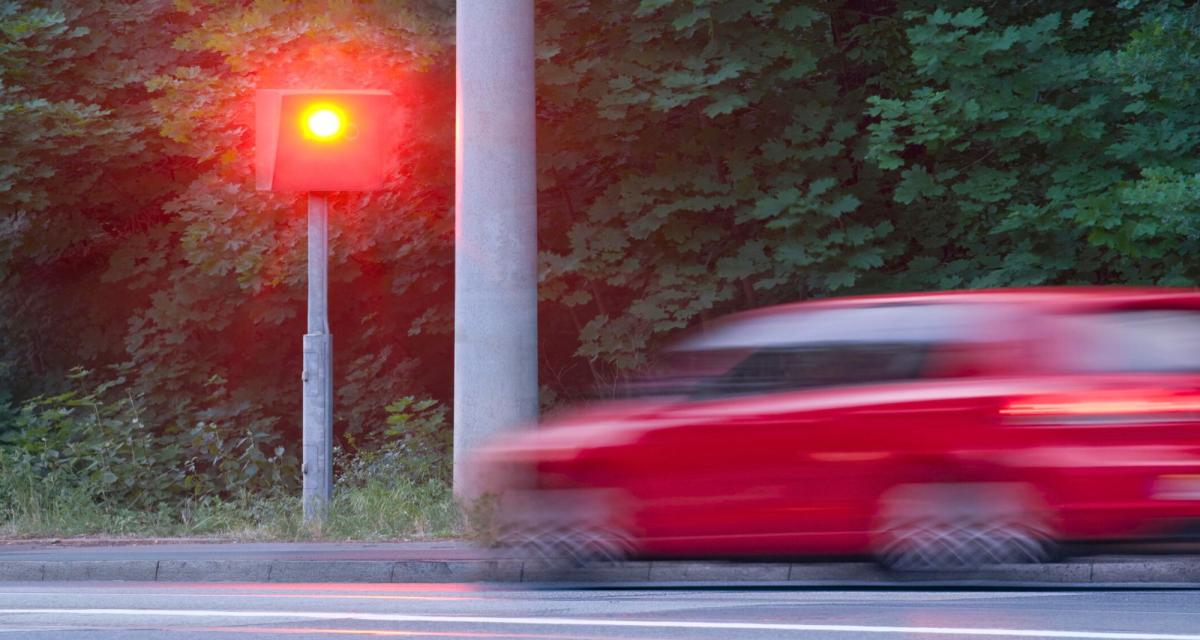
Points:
x=594, y=622
x=799, y=597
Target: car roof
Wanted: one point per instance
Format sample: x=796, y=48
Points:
x=1042, y=296
x=773, y=323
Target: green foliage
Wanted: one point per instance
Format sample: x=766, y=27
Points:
x=387, y=507
x=413, y=444
x=133, y=238
x=81, y=173
x=721, y=165
x=1048, y=151
x=695, y=157
x=392, y=507
x=221, y=330
x=747, y=153
x=84, y=463
x=96, y=442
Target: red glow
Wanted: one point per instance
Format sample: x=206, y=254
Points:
x=323, y=140
x=345, y=596
x=387, y=633
x=318, y=586
x=1085, y=405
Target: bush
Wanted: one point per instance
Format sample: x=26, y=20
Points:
x=96, y=442
x=83, y=462
x=415, y=443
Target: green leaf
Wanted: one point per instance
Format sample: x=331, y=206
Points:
x=799, y=17
x=725, y=104
x=1080, y=19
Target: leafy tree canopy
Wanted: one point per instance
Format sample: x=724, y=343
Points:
x=695, y=157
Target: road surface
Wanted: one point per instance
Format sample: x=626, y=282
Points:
x=128, y=611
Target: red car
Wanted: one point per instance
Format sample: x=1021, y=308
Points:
x=935, y=431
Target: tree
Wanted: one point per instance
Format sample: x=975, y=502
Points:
x=696, y=157
x=222, y=332
x=1046, y=148
x=704, y=156
x=82, y=176
x=700, y=157
x=138, y=241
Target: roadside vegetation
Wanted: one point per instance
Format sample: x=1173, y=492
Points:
x=695, y=157
x=379, y=509
x=83, y=463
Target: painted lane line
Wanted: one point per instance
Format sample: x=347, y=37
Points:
x=499, y=595
x=387, y=633
x=596, y=622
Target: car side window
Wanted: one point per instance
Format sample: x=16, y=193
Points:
x=812, y=366
x=829, y=347
x=1135, y=341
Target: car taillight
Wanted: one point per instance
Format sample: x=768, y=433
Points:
x=1105, y=407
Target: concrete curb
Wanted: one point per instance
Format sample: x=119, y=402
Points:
x=1174, y=572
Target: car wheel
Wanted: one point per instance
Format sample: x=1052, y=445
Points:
x=577, y=546
x=961, y=527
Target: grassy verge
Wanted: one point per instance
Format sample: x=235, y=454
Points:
x=83, y=463
x=375, y=509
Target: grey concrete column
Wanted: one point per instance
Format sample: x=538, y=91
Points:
x=317, y=406
x=495, y=287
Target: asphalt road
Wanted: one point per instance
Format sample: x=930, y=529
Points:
x=124, y=610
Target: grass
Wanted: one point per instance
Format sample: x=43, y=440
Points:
x=372, y=509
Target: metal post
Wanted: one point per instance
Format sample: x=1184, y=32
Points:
x=495, y=285
x=318, y=369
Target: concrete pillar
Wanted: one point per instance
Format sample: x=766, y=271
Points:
x=495, y=287
x=317, y=406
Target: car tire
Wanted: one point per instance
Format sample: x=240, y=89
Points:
x=576, y=546
x=961, y=527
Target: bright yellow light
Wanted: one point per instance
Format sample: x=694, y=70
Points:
x=323, y=123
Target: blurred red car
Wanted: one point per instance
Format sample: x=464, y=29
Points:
x=935, y=431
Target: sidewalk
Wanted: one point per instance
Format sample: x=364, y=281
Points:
x=452, y=561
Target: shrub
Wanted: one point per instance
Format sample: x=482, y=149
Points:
x=84, y=462
x=96, y=443
x=415, y=443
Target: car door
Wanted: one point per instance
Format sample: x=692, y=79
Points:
x=733, y=467
x=781, y=452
